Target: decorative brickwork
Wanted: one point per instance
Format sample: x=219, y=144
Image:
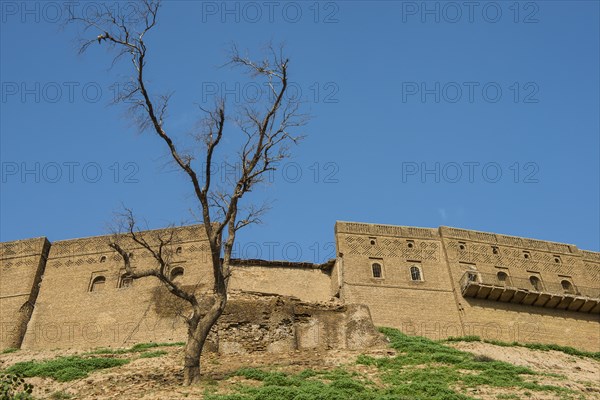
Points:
x=433, y=282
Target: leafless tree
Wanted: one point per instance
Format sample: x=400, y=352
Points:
x=265, y=138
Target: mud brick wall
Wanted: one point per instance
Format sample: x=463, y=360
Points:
x=21, y=267
x=434, y=305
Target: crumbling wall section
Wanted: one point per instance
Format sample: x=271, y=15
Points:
x=255, y=322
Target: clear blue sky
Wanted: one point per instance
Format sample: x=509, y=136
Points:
x=394, y=88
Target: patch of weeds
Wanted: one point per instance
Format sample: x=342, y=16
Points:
x=65, y=368
x=534, y=346
x=145, y=346
x=152, y=354
x=483, y=358
x=9, y=350
x=137, y=348
x=422, y=351
x=565, y=349
x=422, y=369
x=60, y=396
x=507, y=397
x=104, y=350
x=468, y=338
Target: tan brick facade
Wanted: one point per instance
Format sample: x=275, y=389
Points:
x=21, y=267
x=432, y=282
x=439, y=305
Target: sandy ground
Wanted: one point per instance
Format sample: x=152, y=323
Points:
x=583, y=374
x=160, y=378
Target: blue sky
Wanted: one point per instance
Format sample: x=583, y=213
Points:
x=481, y=116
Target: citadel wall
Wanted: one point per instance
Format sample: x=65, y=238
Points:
x=431, y=282
x=21, y=267
x=73, y=311
x=527, y=316
x=415, y=307
x=446, y=300
x=306, y=281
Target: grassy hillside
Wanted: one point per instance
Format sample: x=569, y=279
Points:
x=412, y=368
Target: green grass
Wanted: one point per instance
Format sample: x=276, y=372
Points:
x=534, y=346
x=64, y=368
x=152, y=354
x=9, y=350
x=138, y=348
x=76, y=367
x=146, y=346
x=422, y=369
x=60, y=396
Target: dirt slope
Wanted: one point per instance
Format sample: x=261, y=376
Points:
x=159, y=378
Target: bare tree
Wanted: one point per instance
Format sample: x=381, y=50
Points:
x=265, y=137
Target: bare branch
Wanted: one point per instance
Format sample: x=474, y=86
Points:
x=159, y=248
x=266, y=135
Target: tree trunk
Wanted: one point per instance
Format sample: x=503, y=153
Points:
x=191, y=365
x=198, y=330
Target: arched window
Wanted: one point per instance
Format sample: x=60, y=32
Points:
x=98, y=284
x=536, y=283
x=176, y=273
x=103, y=259
x=567, y=286
x=502, y=277
x=415, y=273
x=126, y=281
x=376, y=268
x=178, y=250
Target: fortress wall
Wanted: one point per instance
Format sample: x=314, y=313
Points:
x=424, y=307
x=551, y=262
x=21, y=267
x=67, y=314
x=308, y=283
x=436, y=307
x=591, y=268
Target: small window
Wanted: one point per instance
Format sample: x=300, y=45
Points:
x=126, y=281
x=415, y=273
x=526, y=255
x=410, y=243
x=98, y=284
x=536, y=283
x=557, y=259
x=178, y=250
x=495, y=250
x=502, y=277
x=373, y=241
x=462, y=245
x=567, y=286
x=376, y=269
x=103, y=259
x=176, y=273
